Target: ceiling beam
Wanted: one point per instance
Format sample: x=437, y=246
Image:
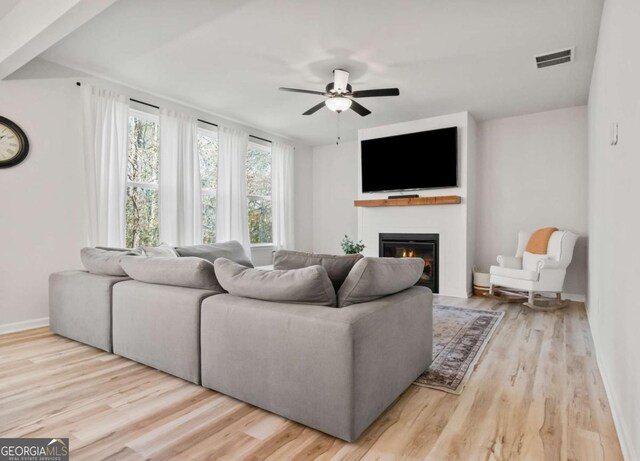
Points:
x=33, y=26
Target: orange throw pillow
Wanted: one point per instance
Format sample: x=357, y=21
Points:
x=539, y=240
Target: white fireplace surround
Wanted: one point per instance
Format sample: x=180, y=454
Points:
x=454, y=223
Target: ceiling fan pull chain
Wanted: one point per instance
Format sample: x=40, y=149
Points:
x=338, y=129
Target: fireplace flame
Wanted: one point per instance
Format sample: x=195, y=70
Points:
x=407, y=253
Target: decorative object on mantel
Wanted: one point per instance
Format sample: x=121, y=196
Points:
x=460, y=335
x=350, y=247
x=531, y=273
x=410, y=201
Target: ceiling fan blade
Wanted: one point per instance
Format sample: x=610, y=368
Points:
x=340, y=80
x=374, y=93
x=359, y=109
x=314, y=109
x=295, y=90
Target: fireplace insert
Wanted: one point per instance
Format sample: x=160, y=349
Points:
x=423, y=246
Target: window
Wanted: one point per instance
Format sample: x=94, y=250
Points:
x=208, y=150
x=143, y=167
x=259, y=193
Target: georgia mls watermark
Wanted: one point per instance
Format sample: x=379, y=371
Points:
x=34, y=449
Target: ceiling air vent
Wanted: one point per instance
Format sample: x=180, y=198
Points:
x=555, y=58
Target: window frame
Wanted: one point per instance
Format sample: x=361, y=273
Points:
x=210, y=132
x=262, y=145
x=153, y=118
x=146, y=114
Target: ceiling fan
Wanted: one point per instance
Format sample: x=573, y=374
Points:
x=340, y=96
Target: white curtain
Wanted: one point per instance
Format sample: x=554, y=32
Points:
x=105, y=153
x=232, y=214
x=282, y=195
x=180, y=201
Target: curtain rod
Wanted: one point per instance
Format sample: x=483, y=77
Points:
x=200, y=120
x=144, y=103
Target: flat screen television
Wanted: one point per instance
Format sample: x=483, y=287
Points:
x=423, y=160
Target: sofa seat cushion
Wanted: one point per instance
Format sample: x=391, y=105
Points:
x=519, y=274
x=309, y=285
x=181, y=272
x=80, y=306
x=337, y=266
x=373, y=278
x=104, y=262
x=159, y=326
x=231, y=250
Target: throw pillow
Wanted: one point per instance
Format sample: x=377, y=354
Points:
x=132, y=250
x=162, y=250
x=180, y=272
x=309, y=285
x=337, y=266
x=232, y=250
x=104, y=262
x=373, y=278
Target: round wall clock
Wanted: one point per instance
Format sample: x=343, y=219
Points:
x=14, y=145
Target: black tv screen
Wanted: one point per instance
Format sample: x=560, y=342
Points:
x=423, y=160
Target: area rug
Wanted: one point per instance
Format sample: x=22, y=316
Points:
x=459, y=337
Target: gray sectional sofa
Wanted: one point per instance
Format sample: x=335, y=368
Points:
x=80, y=306
x=326, y=346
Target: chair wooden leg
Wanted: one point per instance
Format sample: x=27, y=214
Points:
x=530, y=298
x=491, y=289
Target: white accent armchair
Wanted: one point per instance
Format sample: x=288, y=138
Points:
x=528, y=274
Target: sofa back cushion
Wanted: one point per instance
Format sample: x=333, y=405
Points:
x=104, y=262
x=309, y=285
x=373, y=278
x=337, y=266
x=181, y=272
x=232, y=250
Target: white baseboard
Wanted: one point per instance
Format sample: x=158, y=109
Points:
x=575, y=297
x=21, y=326
x=455, y=295
x=623, y=433
x=626, y=442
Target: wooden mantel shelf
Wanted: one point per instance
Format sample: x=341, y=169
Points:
x=416, y=201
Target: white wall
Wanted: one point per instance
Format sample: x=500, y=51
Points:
x=515, y=186
x=532, y=173
x=303, y=212
x=42, y=214
x=335, y=173
x=450, y=222
x=614, y=219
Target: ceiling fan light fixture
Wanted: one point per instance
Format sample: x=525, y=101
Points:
x=338, y=103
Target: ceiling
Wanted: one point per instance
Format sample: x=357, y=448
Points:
x=230, y=56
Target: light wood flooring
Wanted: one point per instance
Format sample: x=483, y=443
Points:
x=536, y=395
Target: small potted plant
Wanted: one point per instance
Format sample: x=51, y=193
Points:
x=350, y=247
